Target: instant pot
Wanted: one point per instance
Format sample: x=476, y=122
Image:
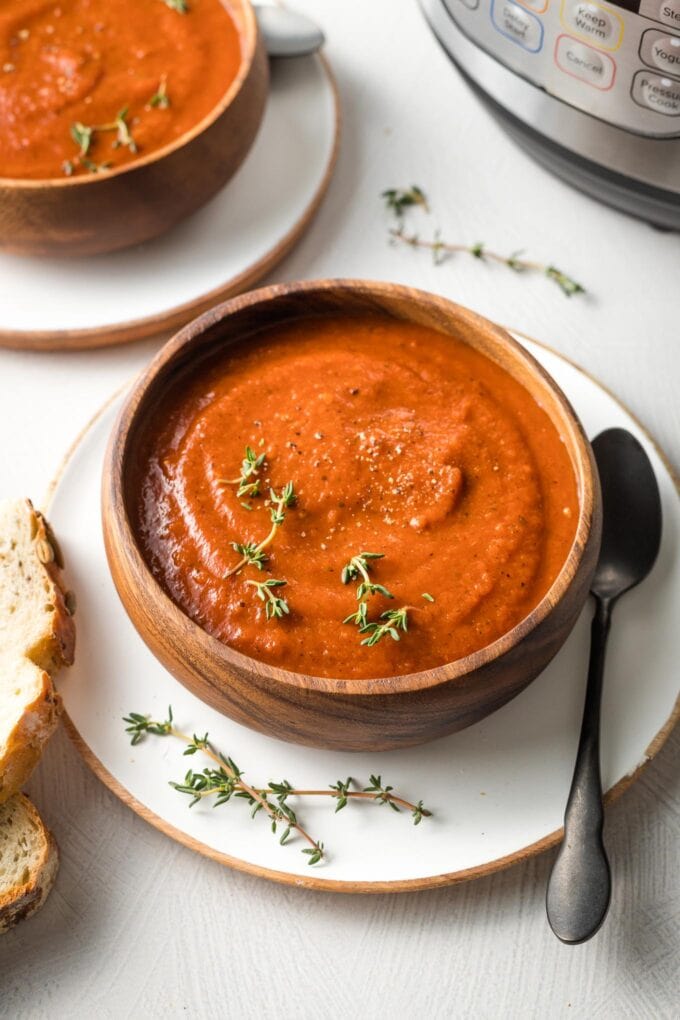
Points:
x=591, y=90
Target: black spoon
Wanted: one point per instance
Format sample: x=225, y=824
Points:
x=579, y=887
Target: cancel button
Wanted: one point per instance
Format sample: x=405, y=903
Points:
x=657, y=93
x=581, y=61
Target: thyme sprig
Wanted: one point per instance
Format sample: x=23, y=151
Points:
x=160, y=100
x=224, y=781
x=250, y=468
x=84, y=136
x=252, y=553
x=359, y=566
x=398, y=200
x=274, y=605
x=394, y=621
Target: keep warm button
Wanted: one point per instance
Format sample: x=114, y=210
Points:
x=585, y=63
x=657, y=93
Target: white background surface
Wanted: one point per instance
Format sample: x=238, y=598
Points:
x=139, y=926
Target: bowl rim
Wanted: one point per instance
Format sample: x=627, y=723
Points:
x=249, y=34
x=229, y=659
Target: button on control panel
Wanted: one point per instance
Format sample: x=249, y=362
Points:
x=600, y=25
x=517, y=24
x=616, y=60
x=665, y=11
x=584, y=62
x=657, y=93
x=659, y=49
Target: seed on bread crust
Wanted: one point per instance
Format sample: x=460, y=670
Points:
x=44, y=550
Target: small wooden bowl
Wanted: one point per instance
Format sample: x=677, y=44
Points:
x=344, y=714
x=92, y=214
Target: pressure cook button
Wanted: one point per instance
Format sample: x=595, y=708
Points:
x=658, y=49
x=584, y=62
x=592, y=21
x=517, y=24
x=657, y=93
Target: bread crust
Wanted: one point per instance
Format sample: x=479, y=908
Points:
x=55, y=648
x=22, y=901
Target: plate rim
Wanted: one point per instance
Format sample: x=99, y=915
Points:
x=313, y=881
x=132, y=330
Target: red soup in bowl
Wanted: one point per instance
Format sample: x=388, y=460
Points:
x=350, y=514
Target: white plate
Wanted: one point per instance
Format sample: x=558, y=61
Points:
x=228, y=244
x=497, y=789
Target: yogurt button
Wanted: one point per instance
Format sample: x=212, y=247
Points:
x=666, y=53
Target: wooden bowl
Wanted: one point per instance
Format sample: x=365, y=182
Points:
x=376, y=714
x=99, y=213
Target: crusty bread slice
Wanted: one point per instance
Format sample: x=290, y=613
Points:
x=36, y=638
x=29, y=861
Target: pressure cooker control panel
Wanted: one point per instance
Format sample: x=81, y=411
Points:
x=619, y=61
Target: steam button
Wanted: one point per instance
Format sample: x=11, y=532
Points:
x=669, y=12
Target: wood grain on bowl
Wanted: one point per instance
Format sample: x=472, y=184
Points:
x=79, y=213
x=347, y=713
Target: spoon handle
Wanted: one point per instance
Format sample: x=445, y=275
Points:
x=579, y=887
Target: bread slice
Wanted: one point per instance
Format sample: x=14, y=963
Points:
x=37, y=637
x=29, y=861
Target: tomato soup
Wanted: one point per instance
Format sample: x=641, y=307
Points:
x=89, y=85
x=426, y=484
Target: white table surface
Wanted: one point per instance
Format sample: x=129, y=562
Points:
x=139, y=926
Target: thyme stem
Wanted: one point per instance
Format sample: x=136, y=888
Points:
x=399, y=200
x=226, y=781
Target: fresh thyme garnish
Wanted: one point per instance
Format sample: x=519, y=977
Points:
x=95, y=168
x=359, y=566
x=120, y=125
x=84, y=135
x=250, y=468
x=250, y=553
x=225, y=781
x=181, y=6
x=397, y=200
x=400, y=199
x=359, y=618
x=254, y=553
x=428, y=598
x=160, y=100
x=395, y=620
x=274, y=606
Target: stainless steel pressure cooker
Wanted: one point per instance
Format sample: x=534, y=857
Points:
x=591, y=89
